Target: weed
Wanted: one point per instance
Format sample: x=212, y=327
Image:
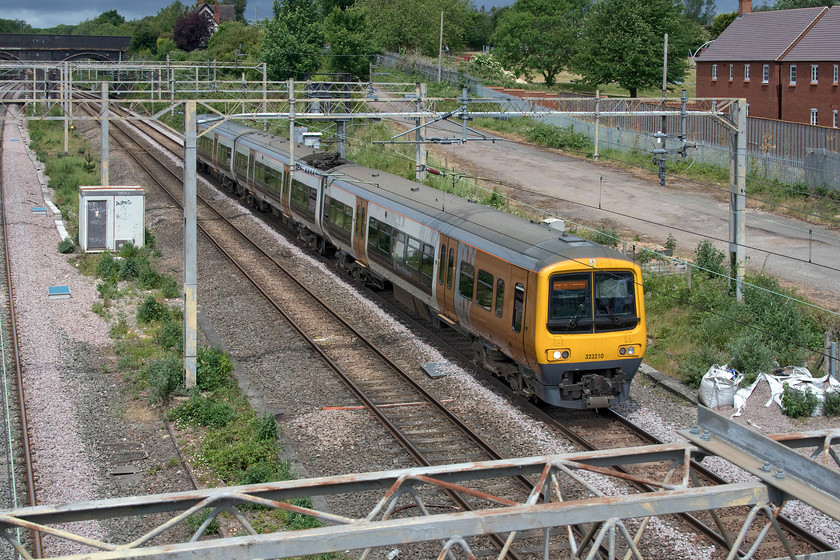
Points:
x=195, y=521
x=606, y=236
x=266, y=427
x=151, y=310
x=296, y=521
x=99, y=308
x=709, y=259
x=164, y=376
x=797, y=403
x=120, y=328
x=213, y=368
x=831, y=406
x=750, y=356
x=204, y=411
x=169, y=287
x=66, y=246
x=170, y=336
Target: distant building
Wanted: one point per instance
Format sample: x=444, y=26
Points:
x=219, y=13
x=784, y=62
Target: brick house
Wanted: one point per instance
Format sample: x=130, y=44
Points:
x=219, y=13
x=758, y=55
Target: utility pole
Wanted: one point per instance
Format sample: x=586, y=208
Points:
x=737, y=195
x=105, y=162
x=190, y=249
x=664, y=128
x=440, y=48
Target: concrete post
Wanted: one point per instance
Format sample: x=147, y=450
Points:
x=65, y=102
x=190, y=246
x=737, y=196
x=105, y=162
x=420, y=154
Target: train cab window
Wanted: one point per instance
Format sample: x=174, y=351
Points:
x=466, y=280
x=484, y=289
x=615, y=306
x=450, y=270
x=500, y=297
x=570, y=303
x=441, y=264
x=518, y=307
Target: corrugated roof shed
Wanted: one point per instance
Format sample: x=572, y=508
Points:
x=760, y=36
x=821, y=43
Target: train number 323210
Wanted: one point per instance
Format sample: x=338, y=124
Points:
x=594, y=356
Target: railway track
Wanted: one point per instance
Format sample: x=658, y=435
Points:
x=13, y=418
x=421, y=424
x=607, y=429
x=423, y=428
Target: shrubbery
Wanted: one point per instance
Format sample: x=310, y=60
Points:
x=797, y=403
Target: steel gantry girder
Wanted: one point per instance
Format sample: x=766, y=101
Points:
x=568, y=490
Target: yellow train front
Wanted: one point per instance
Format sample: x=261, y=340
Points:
x=589, y=333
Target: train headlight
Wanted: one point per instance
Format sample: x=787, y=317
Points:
x=622, y=351
x=631, y=350
x=558, y=355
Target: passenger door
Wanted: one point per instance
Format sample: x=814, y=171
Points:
x=360, y=230
x=518, y=314
x=447, y=258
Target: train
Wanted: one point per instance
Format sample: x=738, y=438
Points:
x=559, y=318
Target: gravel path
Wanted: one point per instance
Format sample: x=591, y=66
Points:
x=79, y=407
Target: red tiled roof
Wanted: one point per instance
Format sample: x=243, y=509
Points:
x=760, y=36
x=822, y=42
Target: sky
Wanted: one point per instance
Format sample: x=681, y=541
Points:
x=49, y=13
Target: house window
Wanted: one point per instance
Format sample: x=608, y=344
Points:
x=834, y=119
x=746, y=72
x=731, y=72
x=793, y=74
x=814, y=116
x=714, y=71
x=814, y=73
x=765, y=74
x=835, y=74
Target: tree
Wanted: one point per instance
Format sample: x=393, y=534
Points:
x=14, y=26
x=699, y=11
x=239, y=8
x=192, y=31
x=293, y=40
x=233, y=38
x=721, y=22
x=351, y=49
x=539, y=36
x=144, y=38
x=623, y=42
x=415, y=26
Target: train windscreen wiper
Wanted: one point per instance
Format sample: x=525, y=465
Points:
x=613, y=317
x=574, y=320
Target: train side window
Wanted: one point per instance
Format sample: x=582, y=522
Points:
x=427, y=263
x=518, y=307
x=441, y=264
x=414, y=253
x=500, y=296
x=398, y=250
x=484, y=289
x=466, y=280
x=373, y=233
x=385, y=238
x=450, y=270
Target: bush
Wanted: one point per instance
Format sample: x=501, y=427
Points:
x=606, y=236
x=266, y=427
x=797, y=403
x=709, y=259
x=749, y=355
x=694, y=366
x=213, y=368
x=151, y=310
x=66, y=246
x=170, y=336
x=169, y=287
x=204, y=411
x=831, y=406
x=296, y=521
x=262, y=472
x=164, y=376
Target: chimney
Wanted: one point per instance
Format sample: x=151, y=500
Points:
x=744, y=7
x=218, y=16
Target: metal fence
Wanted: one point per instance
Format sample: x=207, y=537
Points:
x=782, y=151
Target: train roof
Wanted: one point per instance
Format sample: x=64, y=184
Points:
x=518, y=240
x=525, y=243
